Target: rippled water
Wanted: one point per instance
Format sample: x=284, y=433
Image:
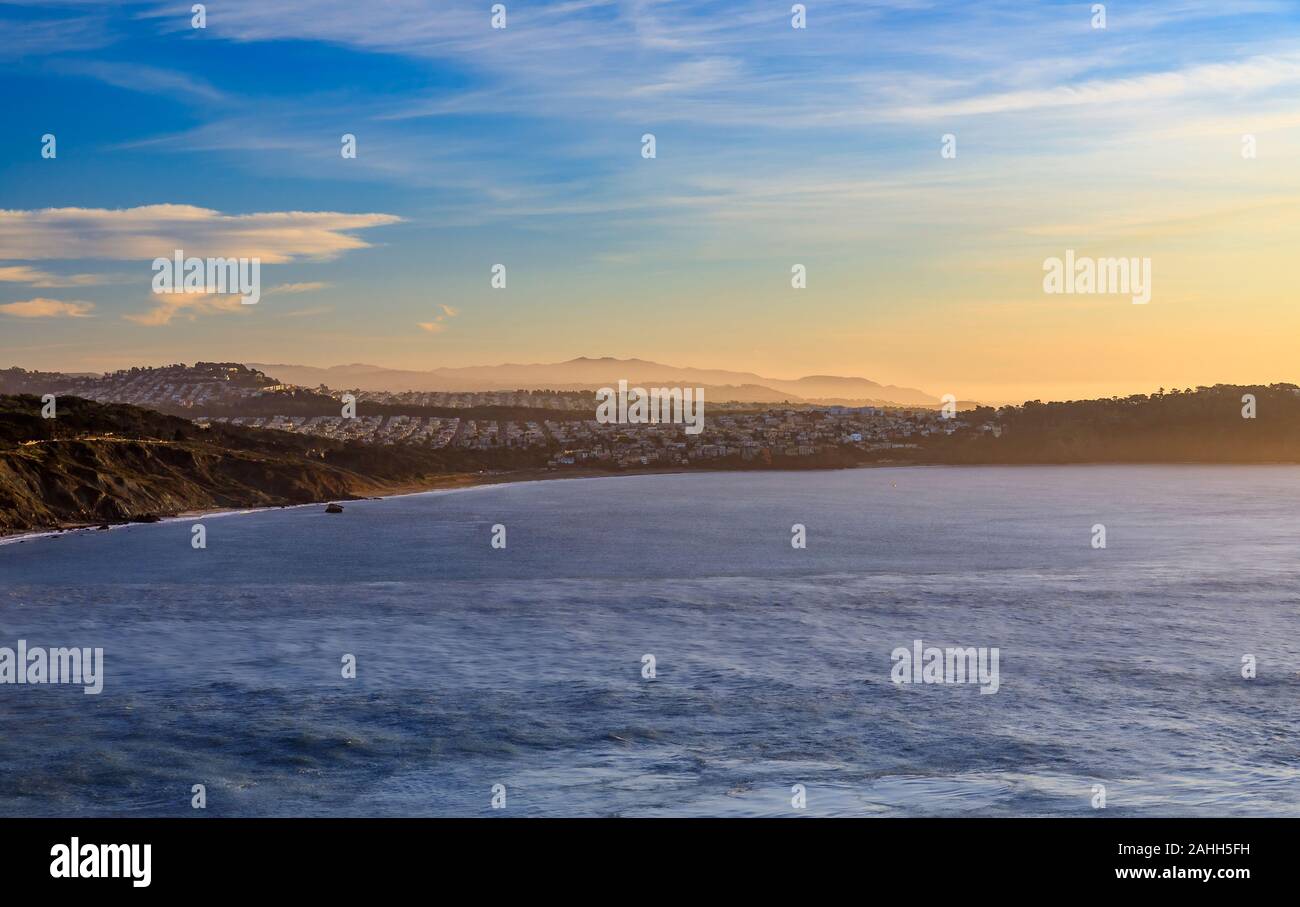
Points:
x=523, y=666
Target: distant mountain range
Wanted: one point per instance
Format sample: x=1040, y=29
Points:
x=588, y=374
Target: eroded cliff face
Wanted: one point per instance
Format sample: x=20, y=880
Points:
x=95, y=463
x=61, y=482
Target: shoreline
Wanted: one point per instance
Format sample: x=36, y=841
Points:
x=434, y=485
x=464, y=481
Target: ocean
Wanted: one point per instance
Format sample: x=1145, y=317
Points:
x=520, y=672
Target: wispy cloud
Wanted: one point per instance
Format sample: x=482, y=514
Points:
x=142, y=78
x=306, y=313
x=153, y=231
x=44, y=279
x=439, y=323
x=41, y=307
x=307, y=287
x=1255, y=74
x=169, y=307
x=37, y=36
x=693, y=75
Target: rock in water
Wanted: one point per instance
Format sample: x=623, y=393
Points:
x=334, y=508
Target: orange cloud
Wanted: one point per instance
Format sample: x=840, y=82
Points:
x=437, y=326
x=297, y=288
x=38, y=278
x=170, y=306
x=48, y=308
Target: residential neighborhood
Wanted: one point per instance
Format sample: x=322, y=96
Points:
x=208, y=393
x=785, y=433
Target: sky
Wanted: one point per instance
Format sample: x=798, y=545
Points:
x=1172, y=134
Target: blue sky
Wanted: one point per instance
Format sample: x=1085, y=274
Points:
x=774, y=146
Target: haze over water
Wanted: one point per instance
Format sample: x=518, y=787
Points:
x=522, y=666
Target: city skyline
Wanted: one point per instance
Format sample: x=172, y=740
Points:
x=775, y=146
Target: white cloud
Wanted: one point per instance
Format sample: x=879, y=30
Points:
x=153, y=231
x=1255, y=74
x=694, y=75
x=142, y=78
x=31, y=36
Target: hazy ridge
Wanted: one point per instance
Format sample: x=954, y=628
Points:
x=587, y=374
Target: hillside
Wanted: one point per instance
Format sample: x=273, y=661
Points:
x=103, y=463
x=99, y=463
x=1201, y=426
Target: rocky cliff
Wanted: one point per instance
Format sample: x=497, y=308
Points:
x=103, y=464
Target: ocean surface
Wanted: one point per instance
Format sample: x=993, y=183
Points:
x=523, y=666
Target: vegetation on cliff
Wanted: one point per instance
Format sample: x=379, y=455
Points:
x=1220, y=424
x=105, y=463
